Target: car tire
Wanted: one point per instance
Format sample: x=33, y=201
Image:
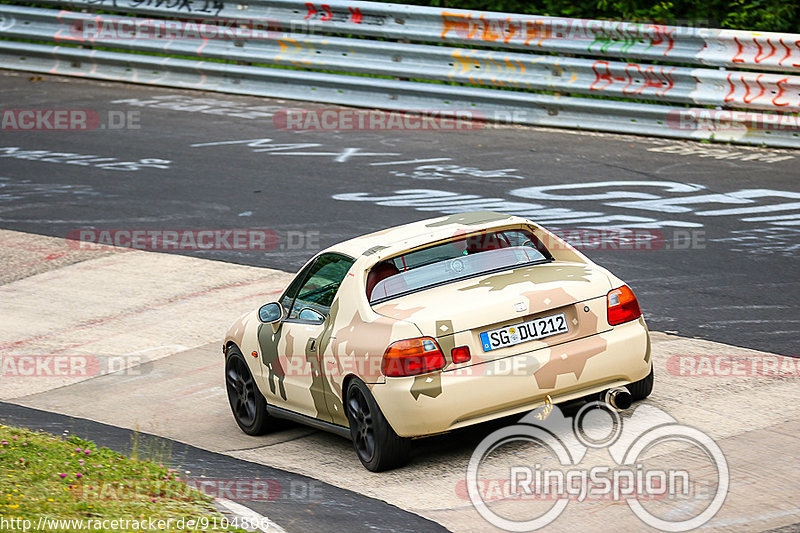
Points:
x=248, y=405
x=641, y=389
x=377, y=445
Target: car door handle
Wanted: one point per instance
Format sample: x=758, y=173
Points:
x=313, y=344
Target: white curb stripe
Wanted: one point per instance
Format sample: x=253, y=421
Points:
x=245, y=514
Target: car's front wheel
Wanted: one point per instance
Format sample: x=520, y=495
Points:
x=376, y=443
x=248, y=405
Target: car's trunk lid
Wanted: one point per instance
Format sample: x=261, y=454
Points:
x=457, y=313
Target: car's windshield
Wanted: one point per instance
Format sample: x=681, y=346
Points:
x=453, y=260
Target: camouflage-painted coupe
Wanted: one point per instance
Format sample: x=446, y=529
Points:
x=433, y=326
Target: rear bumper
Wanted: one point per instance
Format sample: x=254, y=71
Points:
x=443, y=401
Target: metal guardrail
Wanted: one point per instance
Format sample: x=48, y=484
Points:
x=493, y=81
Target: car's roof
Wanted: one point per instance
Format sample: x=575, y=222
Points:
x=395, y=240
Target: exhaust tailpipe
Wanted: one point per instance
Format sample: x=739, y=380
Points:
x=618, y=398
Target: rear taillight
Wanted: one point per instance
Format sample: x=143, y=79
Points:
x=412, y=357
x=622, y=306
x=461, y=354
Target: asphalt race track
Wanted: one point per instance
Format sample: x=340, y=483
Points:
x=339, y=509
x=710, y=244
x=725, y=268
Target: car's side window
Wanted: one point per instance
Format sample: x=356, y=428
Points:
x=288, y=297
x=319, y=287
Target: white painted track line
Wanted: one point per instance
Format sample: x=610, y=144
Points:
x=245, y=515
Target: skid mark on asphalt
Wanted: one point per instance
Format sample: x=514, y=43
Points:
x=25, y=254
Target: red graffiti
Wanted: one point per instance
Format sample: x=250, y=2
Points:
x=759, y=58
x=767, y=86
x=635, y=78
x=749, y=99
x=729, y=96
x=781, y=90
x=797, y=45
x=327, y=13
x=739, y=51
x=760, y=51
x=788, y=52
x=650, y=79
x=604, y=76
x=661, y=34
x=355, y=15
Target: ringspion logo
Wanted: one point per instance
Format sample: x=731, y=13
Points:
x=688, y=495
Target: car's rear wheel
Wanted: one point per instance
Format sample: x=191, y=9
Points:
x=377, y=445
x=248, y=405
x=641, y=389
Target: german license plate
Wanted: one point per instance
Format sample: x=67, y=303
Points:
x=538, y=328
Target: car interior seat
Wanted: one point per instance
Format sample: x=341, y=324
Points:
x=378, y=273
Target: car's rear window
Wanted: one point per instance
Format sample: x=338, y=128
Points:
x=457, y=259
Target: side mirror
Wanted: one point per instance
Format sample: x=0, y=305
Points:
x=270, y=313
x=312, y=315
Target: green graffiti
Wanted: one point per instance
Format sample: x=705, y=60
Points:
x=607, y=39
x=629, y=43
